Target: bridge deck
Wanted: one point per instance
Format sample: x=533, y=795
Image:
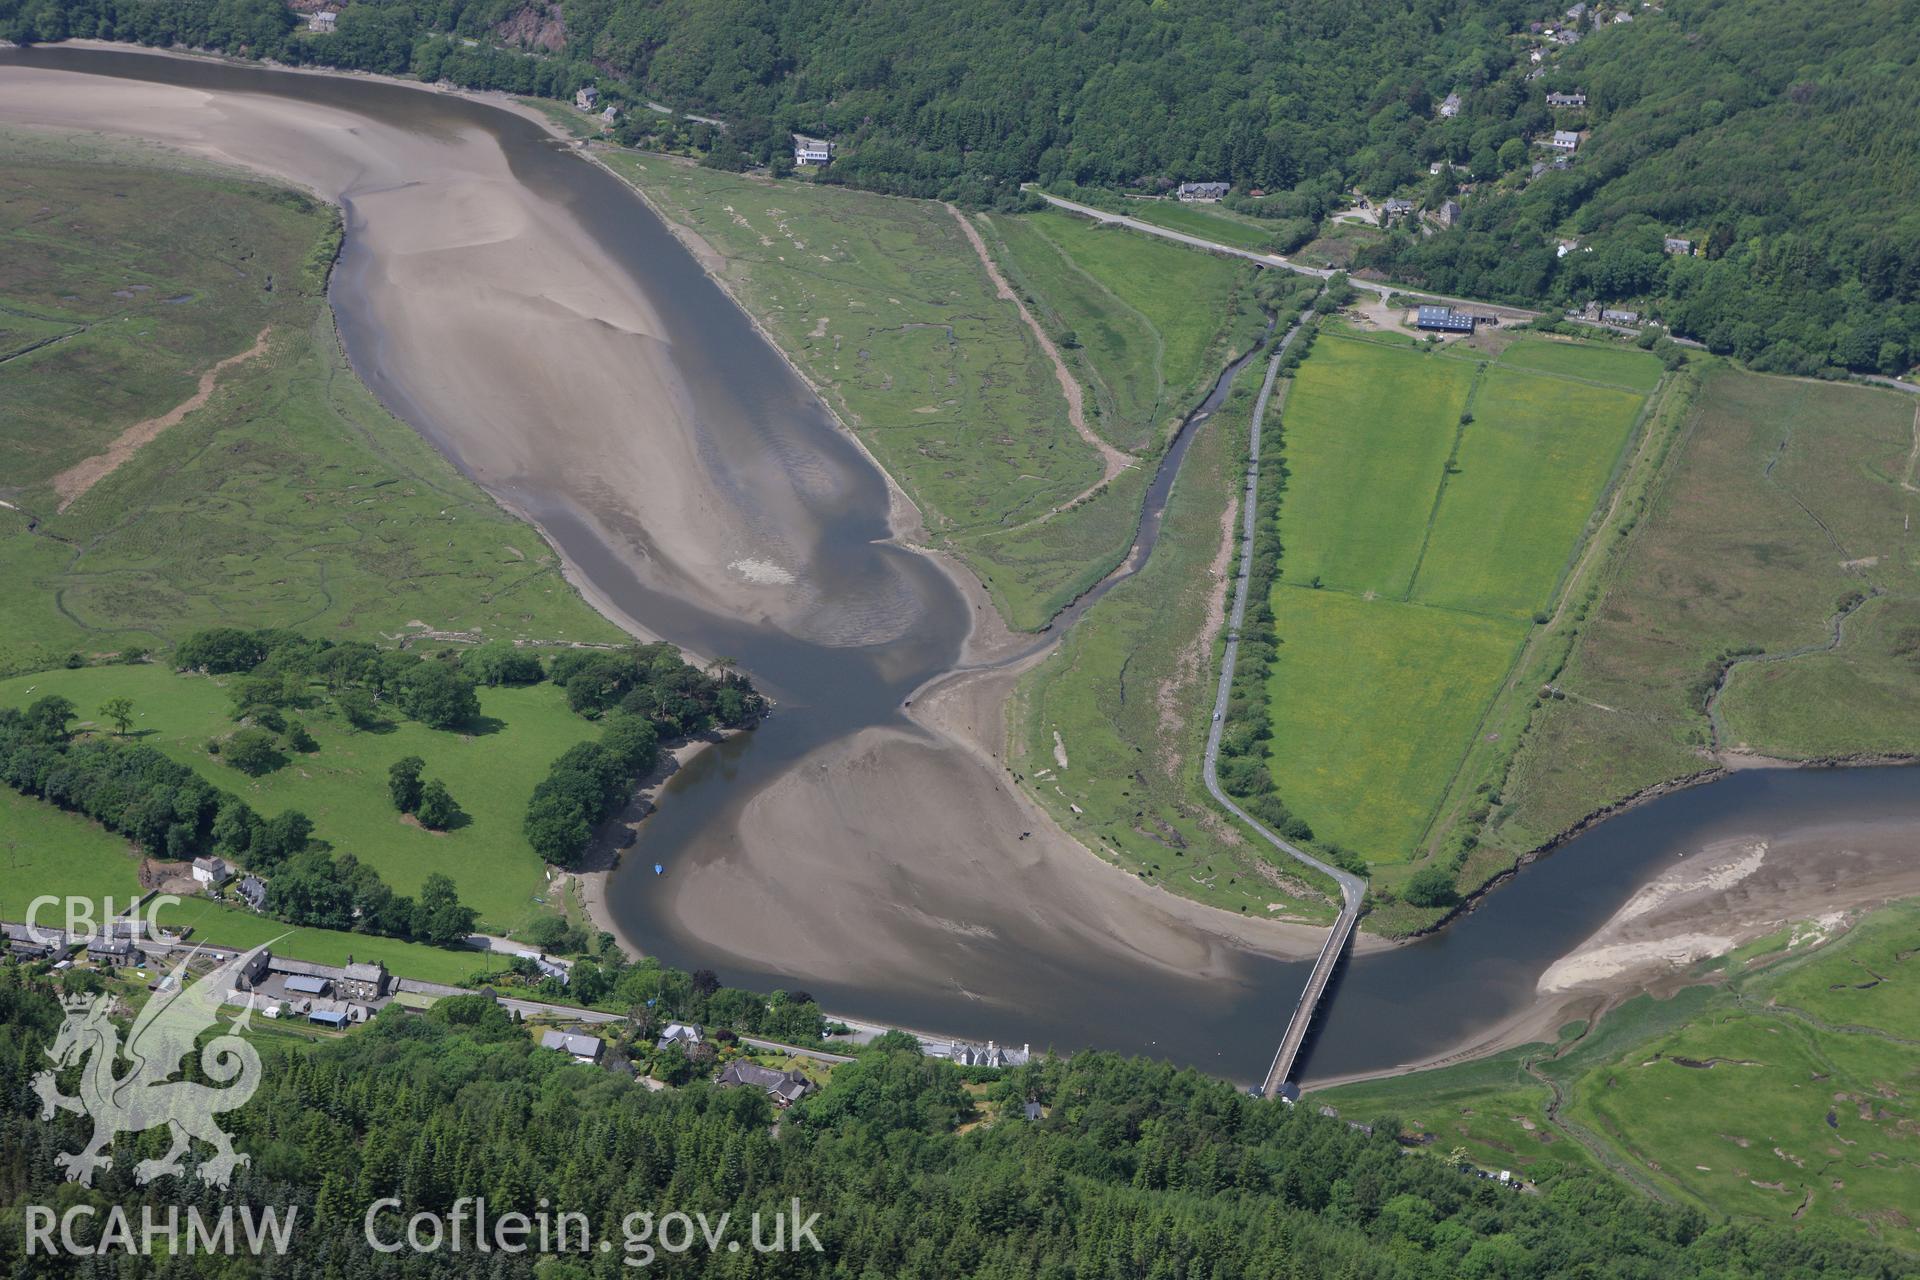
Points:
x=1289, y=1051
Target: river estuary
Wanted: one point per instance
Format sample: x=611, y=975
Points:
x=682, y=445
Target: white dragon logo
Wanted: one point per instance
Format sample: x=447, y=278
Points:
x=146, y=1097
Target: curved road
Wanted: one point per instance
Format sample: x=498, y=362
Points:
x=1352, y=888
x=1273, y=259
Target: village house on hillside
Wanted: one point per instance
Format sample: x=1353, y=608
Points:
x=212, y=872
x=1566, y=99
x=1205, y=192
x=586, y=98
x=322, y=21
x=580, y=1048
x=1450, y=106
x=1564, y=140
x=1677, y=245
x=252, y=890
x=814, y=151
x=784, y=1087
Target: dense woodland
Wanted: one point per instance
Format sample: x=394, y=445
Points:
x=1777, y=137
x=1136, y=1170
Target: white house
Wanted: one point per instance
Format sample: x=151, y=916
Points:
x=212, y=872
x=1564, y=140
x=815, y=151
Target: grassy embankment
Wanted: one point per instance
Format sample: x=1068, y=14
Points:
x=1129, y=691
x=288, y=498
x=1434, y=502
x=1783, y=1094
x=884, y=304
x=1153, y=323
x=1784, y=502
x=342, y=786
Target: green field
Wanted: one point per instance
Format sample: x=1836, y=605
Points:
x=1154, y=321
x=290, y=499
x=1129, y=691
x=1781, y=502
x=1367, y=434
x=44, y=850
x=343, y=785
x=1433, y=503
x=1785, y=1094
x=1620, y=367
x=1523, y=486
x=1373, y=704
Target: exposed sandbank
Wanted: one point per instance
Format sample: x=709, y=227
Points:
x=1709, y=902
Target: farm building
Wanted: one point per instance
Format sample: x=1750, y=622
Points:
x=1443, y=320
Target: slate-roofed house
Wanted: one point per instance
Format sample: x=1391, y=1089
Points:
x=1449, y=212
x=114, y=952
x=989, y=1055
x=252, y=890
x=1450, y=106
x=1395, y=208
x=1566, y=99
x=1205, y=192
x=1612, y=316
x=1564, y=140
x=681, y=1034
x=1677, y=245
x=364, y=981
x=784, y=1087
x=586, y=98
x=814, y=151
x=581, y=1048
x=323, y=21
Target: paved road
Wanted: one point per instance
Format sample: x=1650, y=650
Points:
x=1352, y=888
x=1273, y=259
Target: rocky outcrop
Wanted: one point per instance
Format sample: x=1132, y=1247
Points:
x=534, y=26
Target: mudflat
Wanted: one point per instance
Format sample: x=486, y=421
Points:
x=516, y=342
